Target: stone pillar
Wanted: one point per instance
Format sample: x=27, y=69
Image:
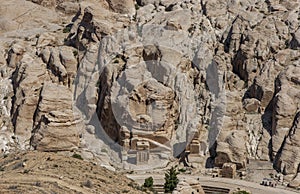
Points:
x=124, y=138
x=142, y=153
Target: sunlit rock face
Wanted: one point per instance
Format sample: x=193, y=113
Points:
x=285, y=128
x=152, y=91
x=216, y=79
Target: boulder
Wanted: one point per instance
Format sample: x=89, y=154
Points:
x=188, y=186
x=251, y=105
x=124, y=7
x=68, y=7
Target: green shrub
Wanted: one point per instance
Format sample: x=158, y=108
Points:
x=67, y=29
x=75, y=53
x=98, y=83
x=77, y=156
x=148, y=182
x=182, y=170
x=171, y=180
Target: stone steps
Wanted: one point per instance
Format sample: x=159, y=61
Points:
x=159, y=189
x=214, y=190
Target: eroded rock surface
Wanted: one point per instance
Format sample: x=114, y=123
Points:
x=219, y=78
x=57, y=123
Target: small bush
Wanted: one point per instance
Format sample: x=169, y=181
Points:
x=75, y=53
x=136, y=186
x=67, y=29
x=148, y=182
x=98, y=83
x=26, y=171
x=77, y=156
x=182, y=170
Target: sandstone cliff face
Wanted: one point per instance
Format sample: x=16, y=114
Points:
x=56, y=120
x=39, y=72
x=222, y=76
x=285, y=120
